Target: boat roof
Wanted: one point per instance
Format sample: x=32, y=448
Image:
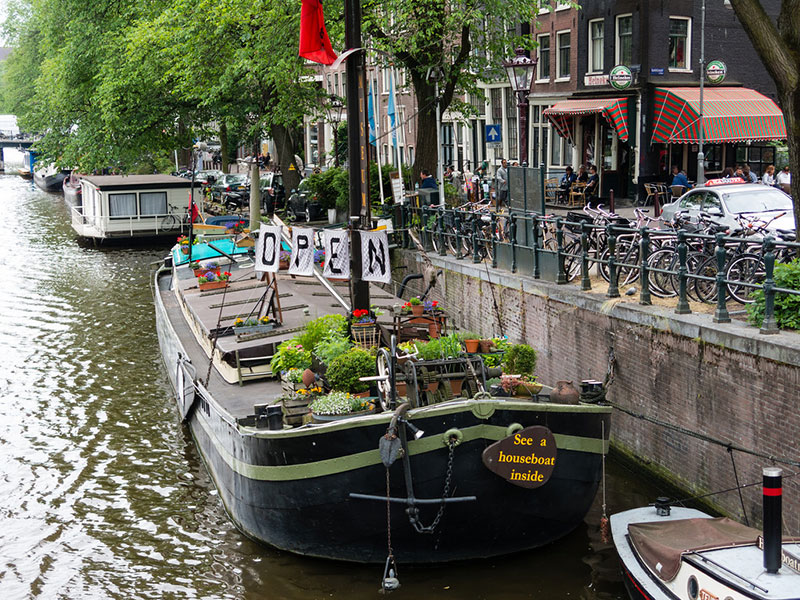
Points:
x=124, y=182
x=661, y=544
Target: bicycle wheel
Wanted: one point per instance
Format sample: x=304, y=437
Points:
x=627, y=258
x=170, y=223
x=693, y=260
x=659, y=282
x=572, y=259
x=706, y=291
x=748, y=268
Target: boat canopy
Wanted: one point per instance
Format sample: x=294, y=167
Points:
x=661, y=544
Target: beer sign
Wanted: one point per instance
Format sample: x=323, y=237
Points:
x=620, y=77
x=526, y=458
x=716, y=71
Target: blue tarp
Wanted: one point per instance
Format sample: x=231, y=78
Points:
x=204, y=251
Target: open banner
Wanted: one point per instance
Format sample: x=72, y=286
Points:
x=268, y=249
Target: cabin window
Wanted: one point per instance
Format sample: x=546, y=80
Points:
x=122, y=205
x=153, y=203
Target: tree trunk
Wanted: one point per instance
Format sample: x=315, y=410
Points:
x=285, y=150
x=223, y=142
x=790, y=103
x=426, y=156
x=255, y=191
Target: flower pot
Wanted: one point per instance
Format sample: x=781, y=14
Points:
x=291, y=388
x=212, y=285
x=402, y=388
x=456, y=385
x=199, y=272
x=432, y=387
x=486, y=346
x=417, y=310
x=565, y=393
x=331, y=216
x=365, y=335
x=328, y=418
x=283, y=265
x=253, y=329
x=528, y=389
x=185, y=249
x=295, y=409
x=471, y=346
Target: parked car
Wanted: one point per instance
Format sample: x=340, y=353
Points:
x=724, y=201
x=301, y=206
x=232, y=189
x=273, y=194
x=208, y=177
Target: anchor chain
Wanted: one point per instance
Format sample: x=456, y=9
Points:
x=413, y=511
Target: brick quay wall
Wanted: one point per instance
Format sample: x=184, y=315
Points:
x=723, y=381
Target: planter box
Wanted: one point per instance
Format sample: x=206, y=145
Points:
x=212, y=285
x=291, y=388
x=295, y=409
x=253, y=329
x=198, y=272
x=365, y=335
x=328, y=418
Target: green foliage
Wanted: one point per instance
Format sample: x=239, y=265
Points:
x=344, y=371
x=332, y=346
x=295, y=375
x=339, y=403
x=290, y=355
x=787, y=306
x=492, y=360
x=519, y=359
x=415, y=301
x=468, y=335
x=431, y=350
x=450, y=345
x=315, y=331
x=326, y=186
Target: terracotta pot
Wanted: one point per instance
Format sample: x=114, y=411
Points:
x=432, y=387
x=417, y=310
x=433, y=330
x=472, y=346
x=309, y=378
x=283, y=265
x=185, y=249
x=486, y=346
x=565, y=393
x=361, y=394
x=456, y=385
x=401, y=388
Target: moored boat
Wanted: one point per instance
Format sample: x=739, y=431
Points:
x=50, y=179
x=324, y=489
x=72, y=191
x=676, y=553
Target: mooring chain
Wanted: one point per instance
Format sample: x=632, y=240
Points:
x=414, y=511
x=390, y=552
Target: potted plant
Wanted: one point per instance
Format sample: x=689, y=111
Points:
x=201, y=268
x=471, y=341
x=252, y=325
x=295, y=405
x=283, y=260
x=344, y=372
x=290, y=354
x=211, y=281
x=332, y=346
x=364, y=329
x=319, y=257
x=519, y=359
x=184, y=243
x=339, y=405
x=235, y=227
x=417, y=308
x=485, y=345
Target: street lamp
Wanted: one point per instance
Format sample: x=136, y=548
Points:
x=333, y=110
x=521, y=70
x=701, y=157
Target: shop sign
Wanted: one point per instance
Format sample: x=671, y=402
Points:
x=526, y=458
x=656, y=70
x=589, y=80
x=716, y=71
x=620, y=77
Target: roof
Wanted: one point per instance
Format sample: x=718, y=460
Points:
x=661, y=544
x=728, y=115
x=615, y=111
x=115, y=182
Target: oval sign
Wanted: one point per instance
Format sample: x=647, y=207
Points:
x=620, y=77
x=716, y=71
x=526, y=458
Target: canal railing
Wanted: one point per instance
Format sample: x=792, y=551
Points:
x=714, y=268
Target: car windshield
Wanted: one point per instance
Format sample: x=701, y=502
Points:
x=236, y=179
x=765, y=200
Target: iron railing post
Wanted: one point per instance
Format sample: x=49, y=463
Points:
x=644, y=273
x=683, y=303
x=513, y=243
x=475, y=255
x=440, y=233
x=561, y=276
x=613, y=286
x=537, y=271
x=586, y=283
x=493, y=233
x=721, y=313
x=457, y=230
x=770, y=324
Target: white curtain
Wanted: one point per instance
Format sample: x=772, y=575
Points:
x=122, y=205
x=153, y=203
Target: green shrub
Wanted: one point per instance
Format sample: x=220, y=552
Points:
x=332, y=346
x=431, y=350
x=450, y=345
x=323, y=186
x=787, y=306
x=316, y=330
x=519, y=359
x=290, y=354
x=344, y=371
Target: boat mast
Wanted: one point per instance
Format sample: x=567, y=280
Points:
x=357, y=149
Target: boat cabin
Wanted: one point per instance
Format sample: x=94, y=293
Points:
x=131, y=206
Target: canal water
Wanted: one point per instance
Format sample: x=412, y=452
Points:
x=103, y=494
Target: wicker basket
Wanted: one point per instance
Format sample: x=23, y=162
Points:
x=365, y=335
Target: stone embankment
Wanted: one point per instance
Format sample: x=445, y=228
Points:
x=700, y=403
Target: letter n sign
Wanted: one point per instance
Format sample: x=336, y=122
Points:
x=375, y=263
x=268, y=249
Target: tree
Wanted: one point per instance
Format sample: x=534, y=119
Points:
x=463, y=38
x=779, y=49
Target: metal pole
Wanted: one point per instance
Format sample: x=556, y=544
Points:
x=439, y=158
x=377, y=116
x=356, y=150
x=393, y=91
x=701, y=168
x=522, y=112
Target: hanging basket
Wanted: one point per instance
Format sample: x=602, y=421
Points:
x=365, y=335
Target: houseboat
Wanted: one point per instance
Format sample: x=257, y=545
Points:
x=131, y=206
x=50, y=178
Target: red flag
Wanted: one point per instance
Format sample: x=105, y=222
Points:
x=314, y=42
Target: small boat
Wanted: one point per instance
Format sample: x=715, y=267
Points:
x=327, y=489
x=72, y=191
x=50, y=179
x=675, y=553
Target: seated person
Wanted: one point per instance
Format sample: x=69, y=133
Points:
x=679, y=178
x=748, y=175
x=427, y=180
x=567, y=179
x=583, y=174
x=592, y=184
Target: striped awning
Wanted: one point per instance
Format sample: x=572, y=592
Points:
x=729, y=115
x=615, y=110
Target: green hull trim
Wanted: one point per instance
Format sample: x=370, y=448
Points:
x=369, y=458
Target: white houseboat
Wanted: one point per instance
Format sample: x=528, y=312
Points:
x=132, y=206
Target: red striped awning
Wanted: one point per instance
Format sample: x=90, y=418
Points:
x=729, y=115
x=615, y=110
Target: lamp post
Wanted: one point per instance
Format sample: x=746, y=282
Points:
x=701, y=157
x=333, y=110
x=521, y=70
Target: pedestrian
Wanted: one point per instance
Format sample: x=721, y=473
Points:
x=427, y=180
x=748, y=175
x=768, y=178
x=502, y=183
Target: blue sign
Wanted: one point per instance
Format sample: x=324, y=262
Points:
x=656, y=70
x=493, y=133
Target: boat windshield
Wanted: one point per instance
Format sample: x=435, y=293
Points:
x=765, y=200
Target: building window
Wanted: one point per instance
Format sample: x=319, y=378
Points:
x=497, y=105
x=511, y=124
x=478, y=102
x=596, y=46
x=679, y=47
x=448, y=146
x=562, y=68
x=556, y=148
x=122, y=205
x=336, y=83
x=153, y=203
x=624, y=55
x=544, y=57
